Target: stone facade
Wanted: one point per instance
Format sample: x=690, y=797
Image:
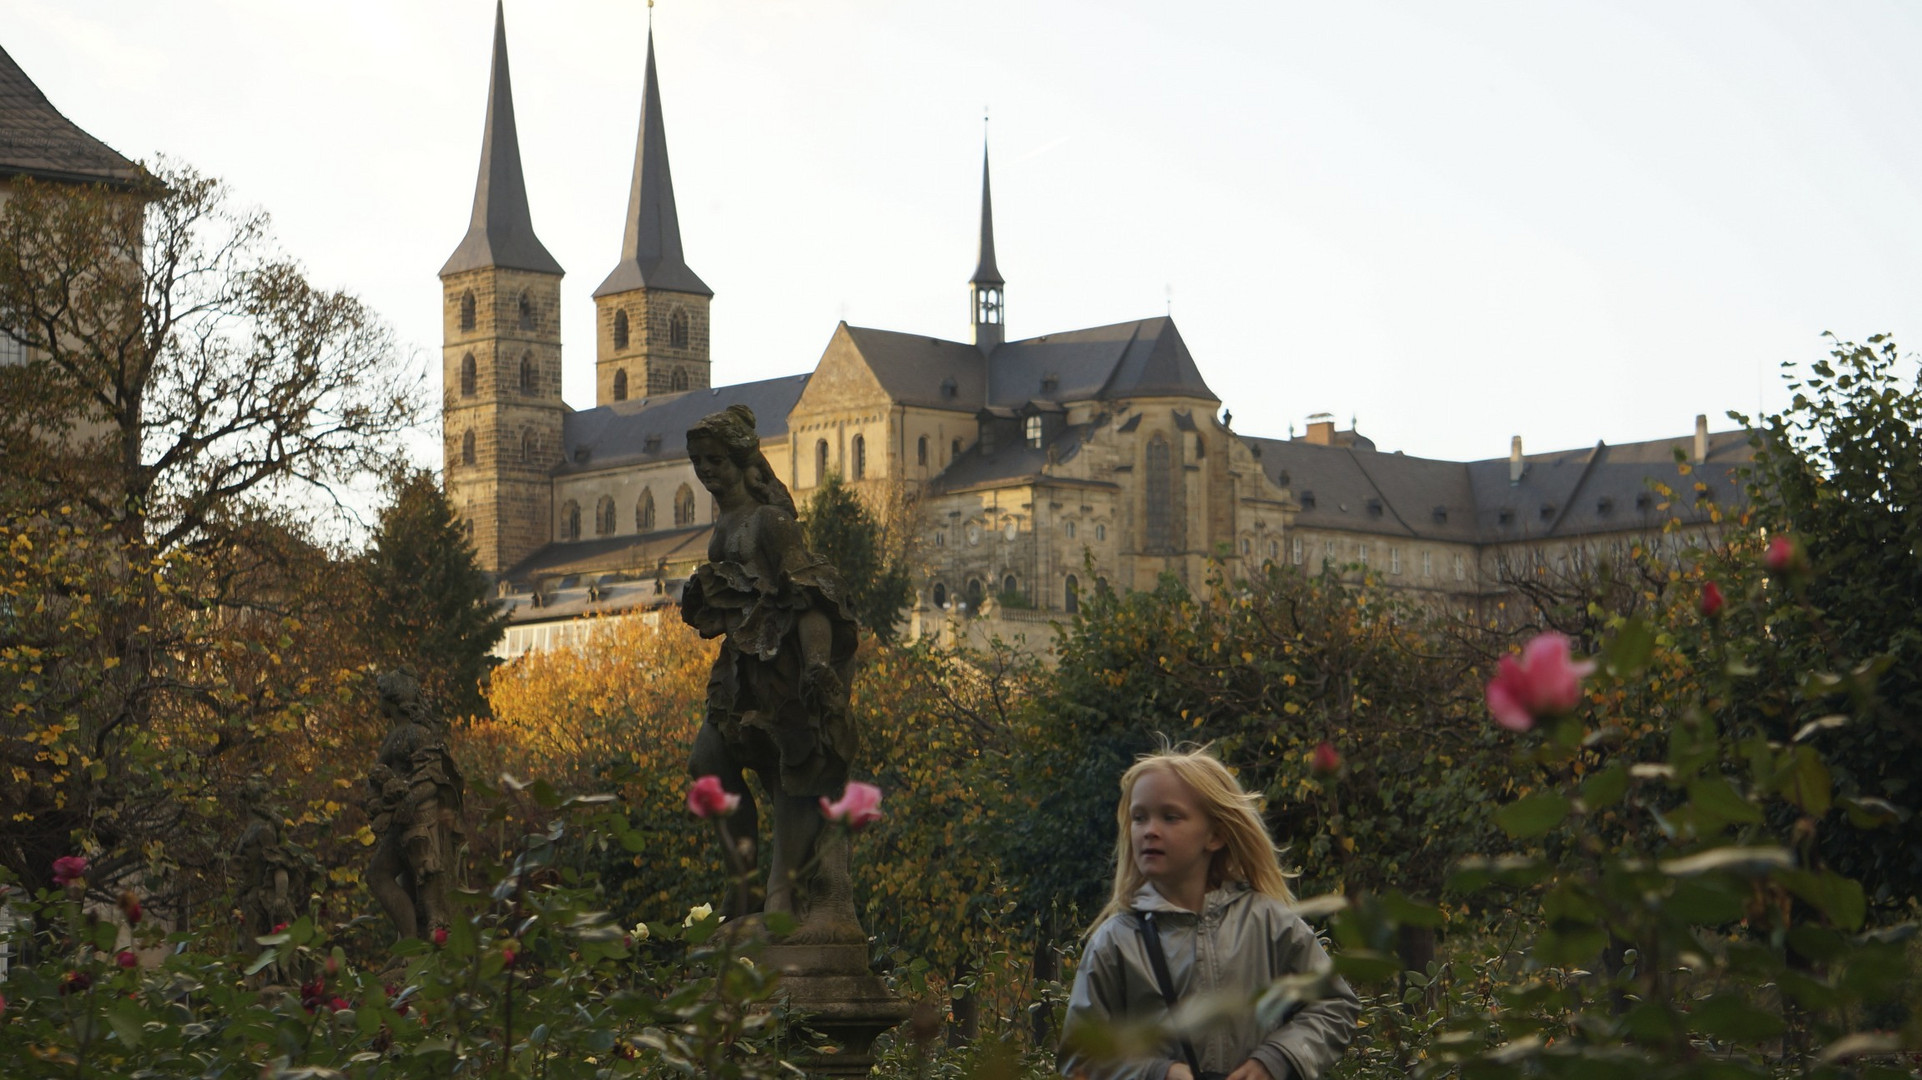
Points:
x=649, y=342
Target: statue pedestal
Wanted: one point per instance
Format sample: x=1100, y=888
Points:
x=832, y=992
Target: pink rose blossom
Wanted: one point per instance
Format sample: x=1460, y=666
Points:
x=1544, y=682
x=126, y=959
x=1326, y=760
x=1711, y=599
x=69, y=868
x=707, y=798
x=440, y=935
x=859, y=806
x=1782, y=555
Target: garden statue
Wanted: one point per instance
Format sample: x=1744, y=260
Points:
x=274, y=876
x=777, y=697
x=414, y=804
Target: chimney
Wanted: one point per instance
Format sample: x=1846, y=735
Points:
x=1701, y=438
x=1321, y=432
x=1515, y=460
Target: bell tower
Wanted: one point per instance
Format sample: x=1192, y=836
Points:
x=986, y=291
x=501, y=351
x=651, y=333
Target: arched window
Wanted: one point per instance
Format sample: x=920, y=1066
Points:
x=921, y=451
x=1158, y=494
x=527, y=373
x=467, y=318
x=1009, y=587
x=677, y=330
x=940, y=595
x=644, y=511
x=620, y=330
x=620, y=384
x=975, y=592
x=527, y=447
x=820, y=462
x=1071, y=602
x=684, y=506
x=469, y=375
x=678, y=381
x=1033, y=431
x=954, y=450
x=860, y=457
x=467, y=449
x=604, y=516
x=526, y=311
x=571, y=521
x=1070, y=530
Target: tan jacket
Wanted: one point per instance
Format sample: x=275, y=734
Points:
x=1240, y=943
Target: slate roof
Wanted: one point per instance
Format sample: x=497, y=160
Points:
x=35, y=140
x=501, y=230
x=1017, y=463
x=620, y=434
x=1565, y=493
x=632, y=553
x=1144, y=358
x=651, y=255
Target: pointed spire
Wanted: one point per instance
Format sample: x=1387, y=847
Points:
x=501, y=232
x=651, y=256
x=986, y=273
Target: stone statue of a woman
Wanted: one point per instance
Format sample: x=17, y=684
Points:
x=777, y=698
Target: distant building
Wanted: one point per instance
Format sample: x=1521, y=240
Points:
x=1036, y=469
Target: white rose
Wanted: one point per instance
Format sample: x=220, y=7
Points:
x=697, y=913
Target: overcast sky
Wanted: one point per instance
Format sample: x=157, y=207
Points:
x=1456, y=222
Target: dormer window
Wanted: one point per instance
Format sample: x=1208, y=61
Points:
x=1507, y=516
x=948, y=387
x=1604, y=506
x=1307, y=500
x=651, y=444
x=1050, y=383
x=1374, y=508
x=1032, y=431
x=1548, y=511
x=1643, y=501
x=1441, y=515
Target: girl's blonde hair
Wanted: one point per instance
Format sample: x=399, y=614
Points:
x=1247, y=854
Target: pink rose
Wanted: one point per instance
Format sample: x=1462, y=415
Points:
x=1711, y=599
x=440, y=935
x=69, y=868
x=1782, y=555
x=859, y=806
x=126, y=959
x=707, y=798
x=1326, y=760
x=1544, y=682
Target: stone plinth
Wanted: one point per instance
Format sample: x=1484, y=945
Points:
x=831, y=991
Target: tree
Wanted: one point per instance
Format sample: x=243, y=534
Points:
x=185, y=387
x=428, y=597
x=842, y=530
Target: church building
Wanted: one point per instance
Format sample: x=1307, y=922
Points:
x=1031, y=470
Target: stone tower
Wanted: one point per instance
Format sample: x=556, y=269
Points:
x=986, y=290
x=501, y=361
x=651, y=328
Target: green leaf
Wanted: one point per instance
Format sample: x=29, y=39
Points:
x=1628, y=651
x=1838, y=898
x=1532, y=815
x=1715, y=797
x=1605, y=788
x=1409, y=913
x=1366, y=965
x=1806, y=783
x=1726, y=1016
x=126, y=1019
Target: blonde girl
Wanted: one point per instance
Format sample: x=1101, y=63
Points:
x=1196, y=874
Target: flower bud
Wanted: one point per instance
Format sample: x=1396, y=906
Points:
x=126, y=959
x=1711, y=599
x=130, y=907
x=1326, y=760
x=440, y=935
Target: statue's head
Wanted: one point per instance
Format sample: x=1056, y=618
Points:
x=734, y=430
x=399, y=689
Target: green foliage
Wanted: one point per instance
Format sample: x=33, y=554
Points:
x=428, y=602
x=841, y=529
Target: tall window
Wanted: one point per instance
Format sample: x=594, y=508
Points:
x=527, y=373
x=467, y=449
x=1361, y=554
x=954, y=449
x=678, y=381
x=1071, y=602
x=921, y=451
x=12, y=349
x=1459, y=573
x=620, y=384
x=677, y=330
x=1159, y=494
x=1070, y=528
x=684, y=506
x=571, y=521
x=1427, y=563
x=1033, y=431
x=527, y=447
x=940, y=595
x=527, y=312
x=1294, y=551
x=1010, y=587
x=860, y=457
x=1394, y=560
x=467, y=318
x=604, y=516
x=620, y=330
x=820, y=462
x=469, y=375
x=644, y=511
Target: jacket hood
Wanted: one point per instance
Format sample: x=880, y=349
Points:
x=1219, y=900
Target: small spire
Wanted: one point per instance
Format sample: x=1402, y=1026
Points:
x=986, y=273
x=501, y=231
x=651, y=256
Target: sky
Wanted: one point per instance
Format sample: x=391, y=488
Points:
x=1453, y=222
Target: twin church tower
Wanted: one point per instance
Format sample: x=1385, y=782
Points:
x=501, y=359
